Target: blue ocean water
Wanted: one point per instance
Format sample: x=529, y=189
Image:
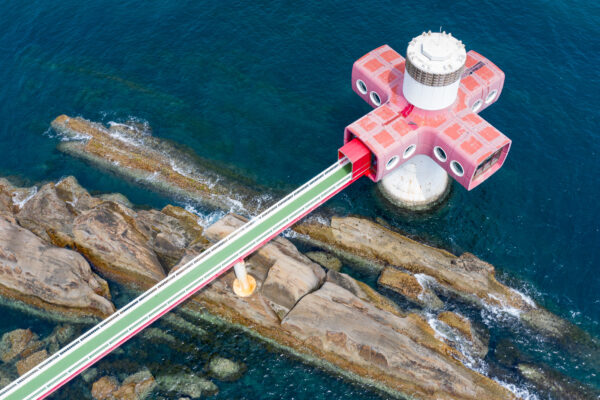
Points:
x=263, y=90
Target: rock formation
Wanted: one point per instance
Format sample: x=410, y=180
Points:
x=318, y=314
x=46, y=277
x=332, y=323
x=138, y=156
x=466, y=276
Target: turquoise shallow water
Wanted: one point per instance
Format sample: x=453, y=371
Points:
x=263, y=90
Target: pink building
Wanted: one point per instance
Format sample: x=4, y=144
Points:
x=428, y=104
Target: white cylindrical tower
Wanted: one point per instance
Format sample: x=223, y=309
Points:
x=434, y=64
x=418, y=184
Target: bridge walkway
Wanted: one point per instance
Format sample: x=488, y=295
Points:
x=178, y=286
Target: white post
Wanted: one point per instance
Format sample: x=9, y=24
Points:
x=241, y=274
x=244, y=284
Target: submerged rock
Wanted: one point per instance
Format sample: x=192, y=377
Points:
x=104, y=387
x=325, y=259
x=187, y=384
x=136, y=387
x=225, y=369
x=554, y=385
x=48, y=278
x=31, y=361
x=14, y=343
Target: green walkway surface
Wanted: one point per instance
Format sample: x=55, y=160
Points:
x=109, y=334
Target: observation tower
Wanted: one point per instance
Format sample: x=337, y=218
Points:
x=425, y=126
x=424, y=129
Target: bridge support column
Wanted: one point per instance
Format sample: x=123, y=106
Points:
x=244, y=284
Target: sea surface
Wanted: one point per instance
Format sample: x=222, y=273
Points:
x=262, y=89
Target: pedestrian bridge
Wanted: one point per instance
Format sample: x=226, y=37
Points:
x=66, y=364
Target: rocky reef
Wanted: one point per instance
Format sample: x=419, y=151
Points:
x=397, y=335
x=318, y=314
x=129, y=151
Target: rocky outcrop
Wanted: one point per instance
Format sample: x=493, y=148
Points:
x=106, y=235
x=336, y=322
x=136, y=155
x=48, y=216
x=135, y=387
x=476, y=339
x=364, y=292
x=48, y=278
x=290, y=276
x=466, y=276
x=134, y=248
x=403, y=351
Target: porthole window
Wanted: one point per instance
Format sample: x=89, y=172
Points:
x=375, y=99
x=477, y=105
x=392, y=162
x=490, y=97
x=440, y=154
x=361, y=86
x=410, y=150
x=457, y=168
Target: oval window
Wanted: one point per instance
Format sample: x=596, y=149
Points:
x=477, y=105
x=457, y=168
x=375, y=99
x=361, y=86
x=392, y=162
x=490, y=97
x=440, y=154
x=410, y=150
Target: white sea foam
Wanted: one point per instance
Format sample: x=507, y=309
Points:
x=131, y=140
x=493, y=312
x=205, y=219
x=319, y=219
x=446, y=333
x=72, y=137
x=426, y=282
x=528, y=300
x=519, y=391
x=20, y=198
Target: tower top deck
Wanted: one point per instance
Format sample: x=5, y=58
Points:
x=436, y=53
